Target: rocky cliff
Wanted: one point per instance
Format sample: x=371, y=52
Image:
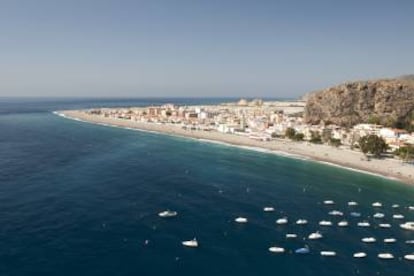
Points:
x=389, y=102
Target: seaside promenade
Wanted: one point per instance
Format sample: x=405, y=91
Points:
x=391, y=168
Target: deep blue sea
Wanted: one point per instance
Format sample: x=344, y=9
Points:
x=83, y=199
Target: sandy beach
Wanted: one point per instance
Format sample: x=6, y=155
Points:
x=391, y=168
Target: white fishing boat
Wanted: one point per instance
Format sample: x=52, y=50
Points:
x=328, y=253
x=240, y=220
x=328, y=202
x=390, y=240
x=275, y=249
x=325, y=223
x=384, y=225
x=355, y=214
x=411, y=208
x=291, y=236
x=409, y=241
x=301, y=222
x=363, y=224
x=398, y=216
x=409, y=257
x=368, y=240
x=343, y=223
x=378, y=215
x=409, y=225
x=282, y=221
x=352, y=203
x=360, y=255
x=336, y=213
x=167, y=214
x=268, y=209
x=386, y=256
x=395, y=206
x=303, y=250
x=191, y=243
x=377, y=204
x=315, y=236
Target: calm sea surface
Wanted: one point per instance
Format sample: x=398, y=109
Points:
x=82, y=199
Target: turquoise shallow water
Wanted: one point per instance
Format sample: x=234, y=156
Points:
x=82, y=199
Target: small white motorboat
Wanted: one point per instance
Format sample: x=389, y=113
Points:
x=409, y=241
x=411, y=208
x=398, y=216
x=384, y=225
x=167, y=214
x=343, y=223
x=301, y=222
x=268, y=209
x=315, y=236
x=409, y=257
x=355, y=214
x=360, y=255
x=363, y=224
x=282, y=221
x=191, y=243
x=303, y=250
x=395, y=206
x=377, y=204
x=328, y=253
x=390, y=240
x=291, y=236
x=325, y=223
x=409, y=225
x=369, y=240
x=336, y=213
x=386, y=256
x=275, y=249
x=328, y=202
x=352, y=203
x=378, y=215
x=240, y=220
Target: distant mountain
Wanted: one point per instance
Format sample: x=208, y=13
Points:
x=388, y=102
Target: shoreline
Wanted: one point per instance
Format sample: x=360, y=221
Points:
x=323, y=154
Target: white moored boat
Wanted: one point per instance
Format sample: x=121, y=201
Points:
x=328, y=202
x=386, y=256
x=409, y=225
x=301, y=221
x=240, y=220
x=385, y=225
x=390, y=240
x=282, y=221
x=360, y=255
x=336, y=213
x=378, y=215
x=398, y=216
x=315, y=236
x=355, y=214
x=191, y=243
x=377, y=204
x=411, y=208
x=343, y=223
x=369, y=240
x=352, y=203
x=167, y=214
x=395, y=206
x=275, y=249
x=268, y=209
x=409, y=257
x=409, y=241
x=325, y=223
x=291, y=236
x=328, y=253
x=363, y=224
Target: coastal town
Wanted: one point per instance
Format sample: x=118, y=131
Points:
x=259, y=120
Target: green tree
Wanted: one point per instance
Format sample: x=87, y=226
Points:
x=290, y=133
x=334, y=142
x=406, y=153
x=299, y=137
x=315, y=138
x=372, y=144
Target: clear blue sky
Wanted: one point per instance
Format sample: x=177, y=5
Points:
x=199, y=48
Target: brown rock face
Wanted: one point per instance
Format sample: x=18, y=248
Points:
x=387, y=102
